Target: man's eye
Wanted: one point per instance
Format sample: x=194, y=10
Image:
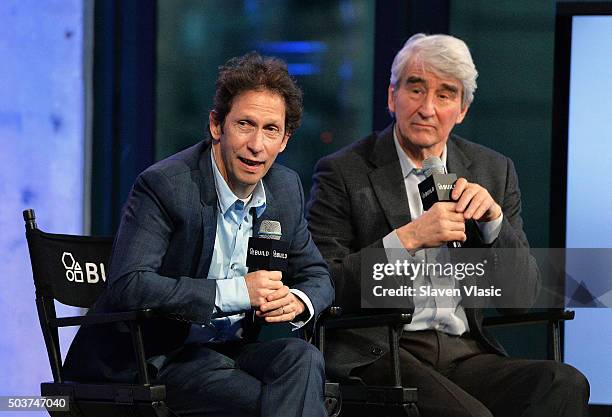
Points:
x=272, y=132
x=244, y=125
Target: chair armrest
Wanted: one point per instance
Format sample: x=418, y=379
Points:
x=133, y=319
x=530, y=318
x=333, y=319
x=362, y=321
x=101, y=318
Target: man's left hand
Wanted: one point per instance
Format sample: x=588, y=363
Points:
x=474, y=201
x=282, y=305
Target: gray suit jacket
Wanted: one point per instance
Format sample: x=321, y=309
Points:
x=358, y=197
x=162, y=254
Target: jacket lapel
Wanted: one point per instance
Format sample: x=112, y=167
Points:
x=387, y=180
x=457, y=162
x=208, y=198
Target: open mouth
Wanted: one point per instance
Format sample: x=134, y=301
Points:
x=250, y=162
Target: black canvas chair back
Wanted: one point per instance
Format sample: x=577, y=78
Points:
x=67, y=268
x=73, y=270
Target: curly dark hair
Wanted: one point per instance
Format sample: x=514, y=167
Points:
x=255, y=72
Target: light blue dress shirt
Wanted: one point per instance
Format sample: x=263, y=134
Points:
x=442, y=313
x=228, y=263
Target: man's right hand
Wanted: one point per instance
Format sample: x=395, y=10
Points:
x=435, y=227
x=262, y=283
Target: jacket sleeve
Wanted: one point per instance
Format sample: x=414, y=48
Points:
x=307, y=269
x=518, y=274
x=145, y=232
x=331, y=224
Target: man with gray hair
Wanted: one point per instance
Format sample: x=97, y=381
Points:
x=366, y=197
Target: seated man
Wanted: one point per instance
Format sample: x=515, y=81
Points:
x=181, y=249
x=366, y=196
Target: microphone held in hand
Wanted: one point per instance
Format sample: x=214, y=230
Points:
x=437, y=186
x=267, y=251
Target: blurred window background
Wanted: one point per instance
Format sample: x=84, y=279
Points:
x=329, y=48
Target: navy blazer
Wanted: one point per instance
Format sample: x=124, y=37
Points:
x=162, y=254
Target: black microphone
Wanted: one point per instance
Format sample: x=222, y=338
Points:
x=437, y=187
x=267, y=251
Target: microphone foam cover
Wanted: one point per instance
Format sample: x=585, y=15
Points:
x=270, y=229
x=433, y=165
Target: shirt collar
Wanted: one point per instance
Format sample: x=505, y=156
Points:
x=408, y=166
x=227, y=199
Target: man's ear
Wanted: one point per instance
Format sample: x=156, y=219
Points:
x=284, y=143
x=216, y=130
x=391, y=98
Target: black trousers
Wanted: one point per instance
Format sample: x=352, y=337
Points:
x=456, y=378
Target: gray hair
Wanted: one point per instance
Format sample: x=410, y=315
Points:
x=443, y=55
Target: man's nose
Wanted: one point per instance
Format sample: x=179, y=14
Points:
x=256, y=141
x=427, y=108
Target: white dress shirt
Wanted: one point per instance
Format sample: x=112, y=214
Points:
x=442, y=313
x=228, y=263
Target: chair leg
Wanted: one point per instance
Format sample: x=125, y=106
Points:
x=394, y=350
x=555, y=333
x=333, y=407
x=333, y=399
x=411, y=410
x=136, y=331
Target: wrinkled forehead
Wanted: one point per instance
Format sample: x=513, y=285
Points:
x=420, y=68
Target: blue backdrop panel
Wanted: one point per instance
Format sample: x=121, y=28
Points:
x=42, y=119
x=588, y=339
